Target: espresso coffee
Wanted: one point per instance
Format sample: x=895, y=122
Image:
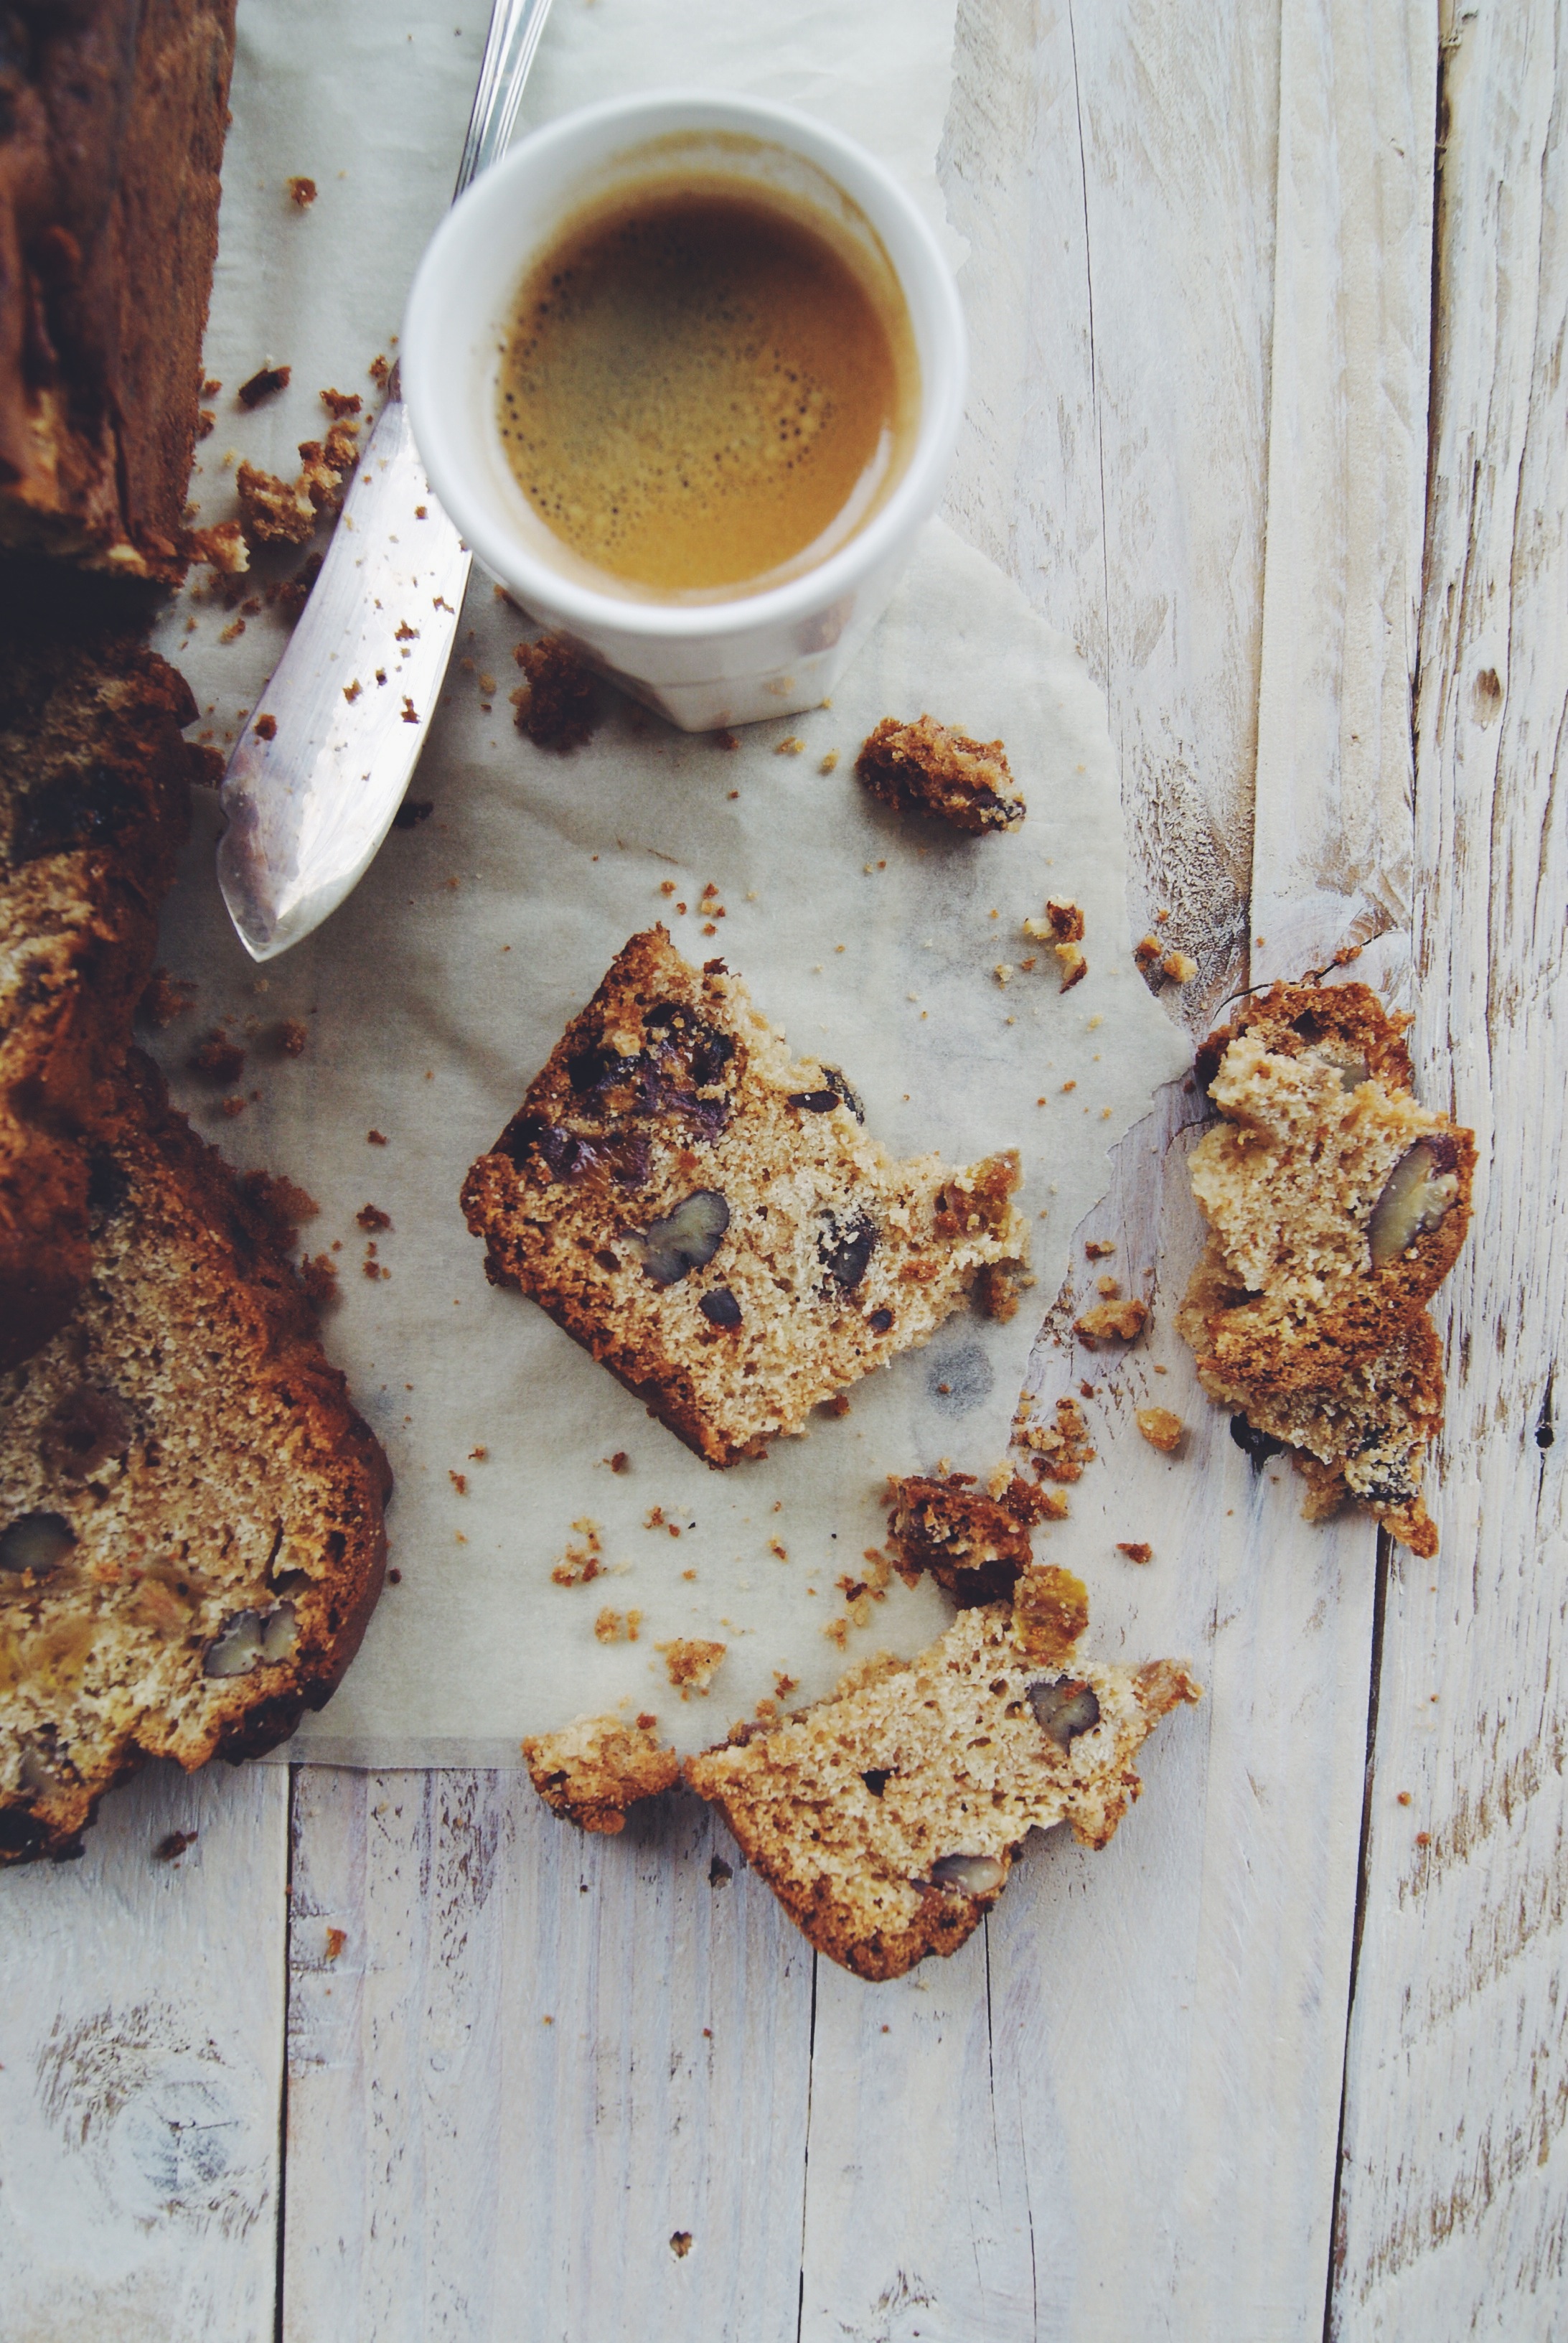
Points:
x=706, y=389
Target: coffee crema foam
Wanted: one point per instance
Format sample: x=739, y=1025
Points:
x=704, y=391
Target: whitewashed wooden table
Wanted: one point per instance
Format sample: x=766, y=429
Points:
x=1270, y=301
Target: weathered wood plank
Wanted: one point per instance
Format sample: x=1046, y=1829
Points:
x=526, y=2064
x=142, y=2070
x=1453, y=2205
x=1113, y=170
x=1349, y=375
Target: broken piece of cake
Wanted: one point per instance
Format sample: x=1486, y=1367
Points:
x=973, y=1543
x=594, y=1768
x=708, y=1216
x=886, y=1819
x=928, y=767
x=1336, y=1205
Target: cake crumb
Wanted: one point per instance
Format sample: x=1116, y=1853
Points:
x=929, y=768
x=164, y=998
x=301, y=191
x=1121, y=1320
x=580, y=1562
x=691, y=1664
x=558, y=704
x=265, y=383
x=1098, y=1249
x=1179, y=967
x=339, y=403
x=1135, y=1552
x=618, y=1628
x=1160, y=1428
x=1062, y=1449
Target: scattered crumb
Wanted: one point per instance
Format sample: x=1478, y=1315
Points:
x=581, y=1562
x=558, y=704
x=266, y=727
x=1107, y=1287
x=1124, y=1321
x=265, y=383
x=459, y=1482
x=1098, y=1249
x=691, y=1664
x=218, y=1058
x=1062, y=1449
x=620, y=1462
x=164, y=998
x=375, y=1139
x=829, y=763
x=790, y=747
x=339, y=403
x=1073, y=966
x=1135, y=1552
x=291, y=1037
x=1179, y=967
x=1147, y=952
x=1160, y=1428
x=371, y=1216
x=301, y=191
x=618, y=1628
x=170, y=1849
x=680, y=2241
x=273, y=511
x=336, y=1940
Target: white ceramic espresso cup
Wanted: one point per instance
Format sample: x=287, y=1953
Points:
x=716, y=662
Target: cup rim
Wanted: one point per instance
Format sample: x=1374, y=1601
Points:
x=858, y=174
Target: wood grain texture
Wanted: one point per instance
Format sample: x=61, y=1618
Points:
x=522, y=2061
x=1112, y=167
x=1453, y=2205
x=1348, y=389
x=142, y=2071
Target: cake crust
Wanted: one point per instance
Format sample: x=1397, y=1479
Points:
x=108, y=232
x=93, y=808
x=192, y=1532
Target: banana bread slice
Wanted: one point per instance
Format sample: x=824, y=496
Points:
x=93, y=808
x=707, y=1215
x=191, y=1513
x=886, y=1819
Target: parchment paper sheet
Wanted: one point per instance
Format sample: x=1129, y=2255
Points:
x=432, y=997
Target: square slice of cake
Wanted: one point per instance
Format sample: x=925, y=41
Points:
x=708, y=1217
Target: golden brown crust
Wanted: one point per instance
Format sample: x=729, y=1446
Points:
x=187, y=1447
x=707, y=1217
x=927, y=767
x=108, y=232
x=1349, y=1019
x=593, y=1770
x=93, y=807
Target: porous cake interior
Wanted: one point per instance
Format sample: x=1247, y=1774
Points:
x=190, y=1512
